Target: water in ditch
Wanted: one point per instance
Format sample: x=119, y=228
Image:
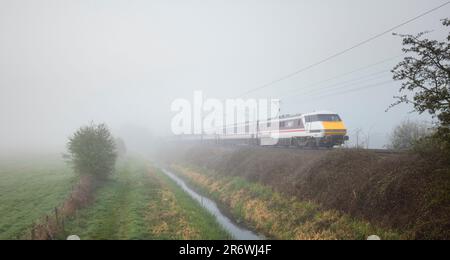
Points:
x=235, y=231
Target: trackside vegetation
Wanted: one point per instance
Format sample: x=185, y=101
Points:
x=275, y=215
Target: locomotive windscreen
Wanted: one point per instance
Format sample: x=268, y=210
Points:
x=323, y=117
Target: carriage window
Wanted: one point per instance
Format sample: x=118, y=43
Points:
x=300, y=123
x=289, y=124
x=282, y=124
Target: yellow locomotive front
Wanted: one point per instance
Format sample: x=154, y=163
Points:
x=326, y=128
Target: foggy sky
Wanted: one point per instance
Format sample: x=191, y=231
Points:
x=66, y=63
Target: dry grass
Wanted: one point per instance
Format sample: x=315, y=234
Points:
x=166, y=218
x=278, y=216
x=404, y=192
x=52, y=226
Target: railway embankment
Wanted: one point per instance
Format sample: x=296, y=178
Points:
x=403, y=192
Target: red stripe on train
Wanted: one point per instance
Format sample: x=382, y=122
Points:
x=285, y=131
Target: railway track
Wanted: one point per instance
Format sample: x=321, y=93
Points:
x=385, y=151
x=314, y=149
x=379, y=151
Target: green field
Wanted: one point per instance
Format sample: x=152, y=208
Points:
x=30, y=189
x=139, y=202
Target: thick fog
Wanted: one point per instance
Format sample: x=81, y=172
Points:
x=64, y=64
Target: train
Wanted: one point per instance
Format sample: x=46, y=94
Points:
x=316, y=129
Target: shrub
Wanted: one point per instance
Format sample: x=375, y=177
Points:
x=433, y=148
x=92, y=151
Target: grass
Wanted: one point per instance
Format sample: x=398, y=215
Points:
x=30, y=189
x=142, y=203
x=408, y=192
x=276, y=215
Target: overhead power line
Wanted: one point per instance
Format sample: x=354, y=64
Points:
x=347, y=73
x=351, y=90
x=353, y=81
x=344, y=51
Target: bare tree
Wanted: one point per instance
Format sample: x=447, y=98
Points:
x=407, y=134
